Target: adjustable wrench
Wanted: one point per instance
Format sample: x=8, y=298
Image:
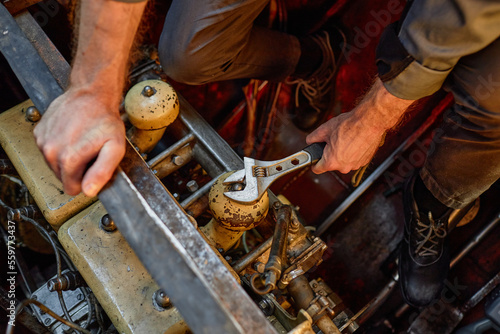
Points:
x=249, y=184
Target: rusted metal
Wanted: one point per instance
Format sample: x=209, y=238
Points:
x=234, y=215
x=304, y=298
x=15, y=6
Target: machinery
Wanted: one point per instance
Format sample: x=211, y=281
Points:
x=170, y=245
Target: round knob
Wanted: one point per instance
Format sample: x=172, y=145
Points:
x=151, y=105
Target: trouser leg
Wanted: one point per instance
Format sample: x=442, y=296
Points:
x=464, y=157
x=204, y=41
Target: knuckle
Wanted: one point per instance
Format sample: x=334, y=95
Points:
x=50, y=151
x=69, y=158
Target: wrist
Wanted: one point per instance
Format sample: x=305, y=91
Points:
x=380, y=109
x=99, y=98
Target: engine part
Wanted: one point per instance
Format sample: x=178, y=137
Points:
x=75, y=303
x=117, y=278
x=257, y=176
x=266, y=282
x=70, y=280
x=304, y=297
x=231, y=218
x=151, y=106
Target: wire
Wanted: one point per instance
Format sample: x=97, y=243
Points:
x=50, y=239
x=23, y=304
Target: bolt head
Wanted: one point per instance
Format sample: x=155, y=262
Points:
x=161, y=299
x=107, y=224
x=148, y=91
x=192, y=186
x=177, y=160
x=237, y=187
x=32, y=114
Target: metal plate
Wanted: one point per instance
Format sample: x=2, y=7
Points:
x=116, y=276
x=16, y=138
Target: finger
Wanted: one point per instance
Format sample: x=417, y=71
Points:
x=325, y=163
x=319, y=167
x=317, y=136
x=101, y=171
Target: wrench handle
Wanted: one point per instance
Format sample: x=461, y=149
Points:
x=315, y=151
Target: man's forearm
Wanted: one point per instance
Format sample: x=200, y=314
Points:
x=379, y=109
x=106, y=34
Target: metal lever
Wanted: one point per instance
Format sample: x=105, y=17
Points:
x=250, y=183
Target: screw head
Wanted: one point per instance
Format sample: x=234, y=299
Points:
x=107, y=224
x=46, y=321
x=148, y=91
x=32, y=114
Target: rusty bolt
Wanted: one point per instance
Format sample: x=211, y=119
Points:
x=32, y=114
x=177, y=160
x=259, y=266
x=107, y=224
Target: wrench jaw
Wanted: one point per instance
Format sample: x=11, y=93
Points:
x=250, y=192
x=258, y=175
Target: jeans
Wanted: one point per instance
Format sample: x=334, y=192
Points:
x=465, y=159
x=205, y=41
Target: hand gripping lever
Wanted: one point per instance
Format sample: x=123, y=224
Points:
x=250, y=183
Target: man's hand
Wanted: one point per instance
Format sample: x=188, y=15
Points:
x=76, y=129
x=353, y=138
x=84, y=124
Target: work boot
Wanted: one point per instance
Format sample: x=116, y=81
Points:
x=424, y=259
x=315, y=93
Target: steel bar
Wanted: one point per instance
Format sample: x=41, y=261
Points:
x=198, y=194
x=476, y=240
x=252, y=256
x=211, y=141
x=166, y=153
x=56, y=63
x=366, y=312
x=383, y=167
x=23, y=58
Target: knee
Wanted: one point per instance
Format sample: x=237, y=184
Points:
x=185, y=64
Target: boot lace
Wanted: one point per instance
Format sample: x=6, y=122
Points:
x=321, y=81
x=431, y=236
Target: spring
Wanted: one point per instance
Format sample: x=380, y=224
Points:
x=259, y=171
